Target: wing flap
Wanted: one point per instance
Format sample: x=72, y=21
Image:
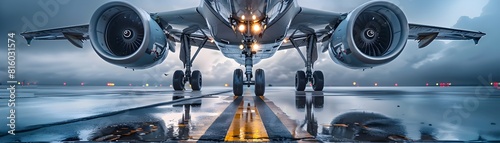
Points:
x=74, y=34
x=425, y=34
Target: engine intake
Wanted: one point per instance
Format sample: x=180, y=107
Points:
x=125, y=35
x=373, y=34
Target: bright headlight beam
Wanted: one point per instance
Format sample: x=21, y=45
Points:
x=255, y=47
x=241, y=28
x=256, y=28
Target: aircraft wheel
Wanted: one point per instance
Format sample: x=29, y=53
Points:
x=178, y=80
x=318, y=81
x=196, y=80
x=238, y=82
x=260, y=82
x=300, y=81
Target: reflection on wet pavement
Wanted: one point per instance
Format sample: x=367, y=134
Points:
x=126, y=132
x=338, y=114
x=352, y=126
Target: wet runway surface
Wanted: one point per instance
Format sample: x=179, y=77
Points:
x=214, y=114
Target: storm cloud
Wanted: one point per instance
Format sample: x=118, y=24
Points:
x=459, y=62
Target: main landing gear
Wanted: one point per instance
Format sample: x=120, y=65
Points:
x=180, y=78
x=316, y=78
x=239, y=82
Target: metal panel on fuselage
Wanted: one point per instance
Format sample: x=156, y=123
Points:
x=228, y=41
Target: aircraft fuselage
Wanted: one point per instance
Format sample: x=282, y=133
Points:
x=264, y=23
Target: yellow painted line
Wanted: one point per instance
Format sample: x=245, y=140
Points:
x=247, y=125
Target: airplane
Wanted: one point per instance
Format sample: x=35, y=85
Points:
x=248, y=31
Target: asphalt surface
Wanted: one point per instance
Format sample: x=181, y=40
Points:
x=214, y=114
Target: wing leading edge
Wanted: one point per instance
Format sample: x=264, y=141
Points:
x=175, y=23
x=323, y=23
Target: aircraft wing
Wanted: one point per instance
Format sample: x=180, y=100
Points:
x=425, y=34
x=74, y=34
x=323, y=23
x=311, y=21
x=175, y=23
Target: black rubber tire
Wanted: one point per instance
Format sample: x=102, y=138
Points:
x=238, y=82
x=300, y=80
x=260, y=82
x=178, y=80
x=318, y=81
x=196, y=80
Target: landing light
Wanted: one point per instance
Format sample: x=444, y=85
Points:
x=256, y=28
x=241, y=47
x=376, y=84
x=285, y=40
x=226, y=85
x=491, y=83
x=354, y=83
x=255, y=47
x=211, y=40
x=241, y=28
x=243, y=17
x=254, y=17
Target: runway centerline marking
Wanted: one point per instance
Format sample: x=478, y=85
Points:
x=247, y=124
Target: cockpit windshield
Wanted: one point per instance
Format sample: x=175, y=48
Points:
x=250, y=10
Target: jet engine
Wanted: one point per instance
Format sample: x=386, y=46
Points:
x=373, y=34
x=127, y=36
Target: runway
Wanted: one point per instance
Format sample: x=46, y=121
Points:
x=92, y=113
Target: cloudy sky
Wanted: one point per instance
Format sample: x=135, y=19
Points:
x=55, y=62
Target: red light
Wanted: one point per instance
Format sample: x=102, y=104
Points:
x=82, y=84
x=129, y=84
x=396, y=84
x=426, y=84
x=64, y=84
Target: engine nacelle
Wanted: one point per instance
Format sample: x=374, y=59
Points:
x=127, y=36
x=373, y=34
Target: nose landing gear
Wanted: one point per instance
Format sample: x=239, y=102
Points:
x=260, y=78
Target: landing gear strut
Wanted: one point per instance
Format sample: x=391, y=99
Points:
x=194, y=78
x=260, y=78
x=316, y=78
